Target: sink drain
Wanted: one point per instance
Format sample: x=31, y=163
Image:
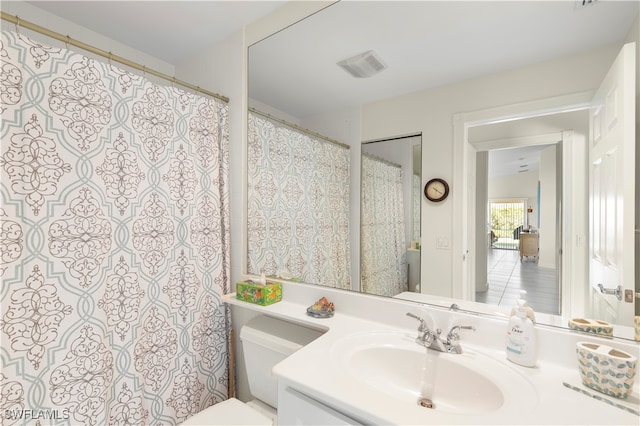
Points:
x=425, y=402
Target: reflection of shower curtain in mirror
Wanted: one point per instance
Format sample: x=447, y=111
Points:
x=383, y=265
x=298, y=205
x=115, y=243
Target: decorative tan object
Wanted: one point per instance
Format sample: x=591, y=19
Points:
x=321, y=309
x=606, y=369
x=529, y=245
x=586, y=325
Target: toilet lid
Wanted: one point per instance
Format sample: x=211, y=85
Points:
x=229, y=412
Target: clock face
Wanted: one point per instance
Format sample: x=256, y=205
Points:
x=436, y=189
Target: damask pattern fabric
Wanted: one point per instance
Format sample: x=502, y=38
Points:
x=298, y=203
x=383, y=249
x=115, y=242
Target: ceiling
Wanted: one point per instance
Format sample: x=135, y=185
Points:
x=172, y=31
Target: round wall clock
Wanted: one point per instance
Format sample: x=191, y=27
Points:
x=436, y=190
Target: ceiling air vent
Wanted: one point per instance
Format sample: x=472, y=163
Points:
x=583, y=3
x=363, y=65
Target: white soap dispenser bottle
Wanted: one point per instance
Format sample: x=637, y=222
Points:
x=522, y=342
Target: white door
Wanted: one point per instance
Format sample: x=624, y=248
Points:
x=611, y=192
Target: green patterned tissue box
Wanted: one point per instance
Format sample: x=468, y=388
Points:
x=606, y=369
x=260, y=294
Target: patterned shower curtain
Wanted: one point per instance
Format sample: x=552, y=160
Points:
x=115, y=243
x=383, y=249
x=298, y=203
x=417, y=200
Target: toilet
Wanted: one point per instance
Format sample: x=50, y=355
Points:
x=265, y=341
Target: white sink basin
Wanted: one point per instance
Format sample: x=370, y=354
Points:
x=467, y=383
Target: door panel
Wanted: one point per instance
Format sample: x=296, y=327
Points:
x=612, y=191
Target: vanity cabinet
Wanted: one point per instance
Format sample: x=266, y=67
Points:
x=529, y=245
x=295, y=408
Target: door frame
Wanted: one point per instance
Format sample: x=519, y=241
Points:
x=574, y=267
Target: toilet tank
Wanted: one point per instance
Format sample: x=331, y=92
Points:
x=265, y=342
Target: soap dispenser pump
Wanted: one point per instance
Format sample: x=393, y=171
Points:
x=530, y=313
x=522, y=344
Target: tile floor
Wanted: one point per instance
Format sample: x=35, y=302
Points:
x=507, y=276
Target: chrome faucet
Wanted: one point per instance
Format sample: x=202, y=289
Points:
x=431, y=339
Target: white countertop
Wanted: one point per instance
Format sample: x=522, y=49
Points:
x=312, y=371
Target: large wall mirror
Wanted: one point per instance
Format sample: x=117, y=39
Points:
x=436, y=60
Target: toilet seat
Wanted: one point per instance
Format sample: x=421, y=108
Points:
x=229, y=412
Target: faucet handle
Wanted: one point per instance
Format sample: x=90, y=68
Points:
x=454, y=334
x=423, y=323
x=409, y=314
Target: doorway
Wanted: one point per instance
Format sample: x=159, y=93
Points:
x=515, y=179
x=543, y=192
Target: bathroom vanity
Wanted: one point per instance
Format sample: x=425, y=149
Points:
x=367, y=368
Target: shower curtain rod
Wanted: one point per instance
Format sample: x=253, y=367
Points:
x=382, y=160
x=301, y=129
x=84, y=46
